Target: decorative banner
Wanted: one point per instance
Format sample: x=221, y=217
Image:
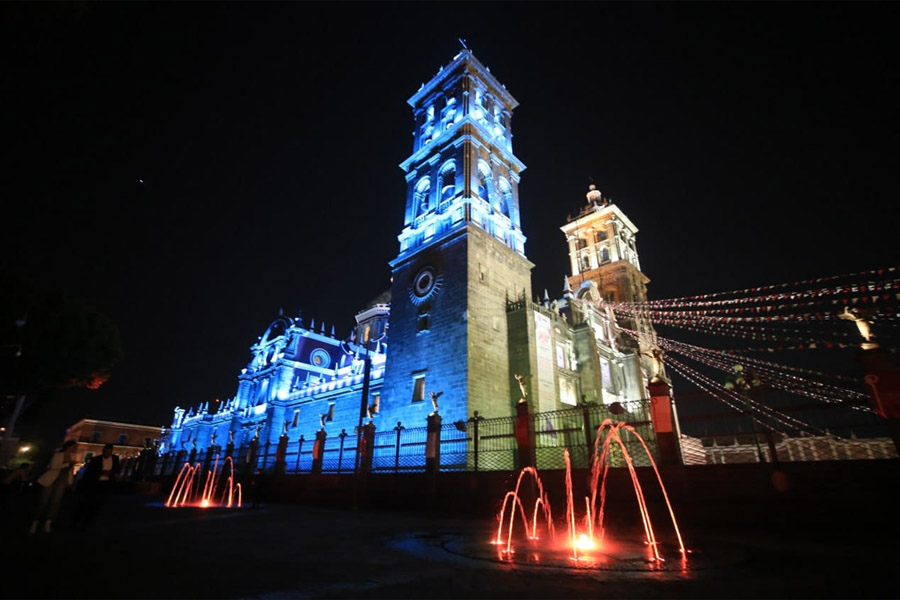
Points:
x=768, y=373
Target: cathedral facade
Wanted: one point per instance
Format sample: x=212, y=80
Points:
x=458, y=332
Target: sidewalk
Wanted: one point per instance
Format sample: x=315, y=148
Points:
x=288, y=551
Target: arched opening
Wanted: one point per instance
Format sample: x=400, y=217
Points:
x=505, y=199
x=420, y=196
x=448, y=180
x=484, y=180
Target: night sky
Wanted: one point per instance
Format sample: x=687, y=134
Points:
x=190, y=169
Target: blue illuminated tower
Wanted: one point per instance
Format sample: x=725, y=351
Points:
x=461, y=253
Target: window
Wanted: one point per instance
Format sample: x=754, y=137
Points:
x=424, y=323
x=601, y=235
x=418, y=388
x=420, y=196
x=604, y=255
x=580, y=243
x=95, y=437
x=123, y=439
x=448, y=181
x=484, y=180
x=505, y=198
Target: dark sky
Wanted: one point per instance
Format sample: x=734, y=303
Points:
x=189, y=169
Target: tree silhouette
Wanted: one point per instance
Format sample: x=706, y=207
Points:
x=50, y=340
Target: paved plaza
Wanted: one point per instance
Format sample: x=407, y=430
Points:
x=140, y=549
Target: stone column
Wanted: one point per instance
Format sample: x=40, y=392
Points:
x=318, y=451
x=663, y=424
x=883, y=382
x=525, y=435
x=281, y=455
x=433, y=444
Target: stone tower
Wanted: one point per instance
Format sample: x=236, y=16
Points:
x=461, y=251
x=605, y=265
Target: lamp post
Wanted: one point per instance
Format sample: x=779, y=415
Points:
x=747, y=383
x=364, y=398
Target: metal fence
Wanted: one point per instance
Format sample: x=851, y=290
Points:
x=489, y=444
x=478, y=444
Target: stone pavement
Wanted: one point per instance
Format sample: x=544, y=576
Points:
x=140, y=549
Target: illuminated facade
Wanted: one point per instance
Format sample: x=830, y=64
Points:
x=459, y=320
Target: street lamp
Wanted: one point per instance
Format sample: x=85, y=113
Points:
x=746, y=383
x=364, y=399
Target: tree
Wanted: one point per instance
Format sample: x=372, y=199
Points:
x=50, y=340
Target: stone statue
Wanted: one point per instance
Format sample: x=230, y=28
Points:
x=214, y=434
x=865, y=328
x=284, y=430
x=657, y=369
x=521, y=380
x=434, y=398
x=256, y=435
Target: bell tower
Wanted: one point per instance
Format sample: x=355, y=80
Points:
x=604, y=260
x=462, y=251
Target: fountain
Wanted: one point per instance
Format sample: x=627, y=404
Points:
x=186, y=490
x=586, y=543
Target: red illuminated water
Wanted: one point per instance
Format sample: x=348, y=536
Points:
x=586, y=542
x=186, y=489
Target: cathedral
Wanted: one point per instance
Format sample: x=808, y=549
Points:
x=458, y=332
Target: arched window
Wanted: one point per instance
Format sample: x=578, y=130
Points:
x=478, y=109
x=420, y=196
x=484, y=180
x=604, y=255
x=449, y=113
x=505, y=198
x=448, y=180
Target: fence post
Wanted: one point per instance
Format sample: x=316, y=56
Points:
x=398, y=429
x=299, y=450
x=588, y=431
x=524, y=430
x=319, y=450
x=433, y=443
x=281, y=455
x=474, y=419
x=343, y=436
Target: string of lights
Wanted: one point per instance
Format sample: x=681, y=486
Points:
x=770, y=373
x=756, y=290
x=714, y=313
x=717, y=391
x=689, y=349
